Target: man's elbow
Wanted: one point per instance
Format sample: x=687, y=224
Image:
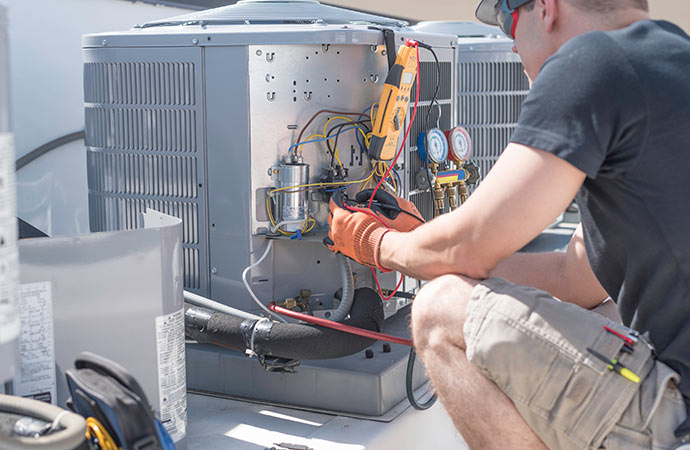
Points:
x=472, y=262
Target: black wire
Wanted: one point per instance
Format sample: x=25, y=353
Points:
x=413, y=215
x=47, y=147
x=438, y=87
x=428, y=116
x=408, y=386
x=400, y=210
x=339, y=127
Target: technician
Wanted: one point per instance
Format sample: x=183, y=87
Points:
x=509, y=340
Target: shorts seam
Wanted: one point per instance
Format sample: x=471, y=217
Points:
x=575, y=355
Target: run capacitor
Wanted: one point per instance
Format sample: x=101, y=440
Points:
x=293, y=204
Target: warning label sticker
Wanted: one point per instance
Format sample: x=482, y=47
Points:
x=172, y=382
x=36, y=378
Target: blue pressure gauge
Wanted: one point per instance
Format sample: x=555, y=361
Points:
x=432, y=146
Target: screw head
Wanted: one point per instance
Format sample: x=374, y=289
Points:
x=369, y=353
x=104, y=42
x=214, y=270
x=195, y=41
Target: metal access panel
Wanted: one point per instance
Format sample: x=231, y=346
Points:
x=106, y=291
x=145, y=145
x=491, y=89
x=287, y=85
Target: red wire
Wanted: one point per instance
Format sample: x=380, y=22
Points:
x=402, y=146
x=407, y=132
x=378, y=286
x=339, y=326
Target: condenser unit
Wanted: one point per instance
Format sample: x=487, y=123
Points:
x=198, y=116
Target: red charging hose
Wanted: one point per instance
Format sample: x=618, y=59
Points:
x=339, y=326
x=402, y=146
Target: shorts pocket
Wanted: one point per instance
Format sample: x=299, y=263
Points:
x=622, y=438
x=581, y=398
x=552, y=384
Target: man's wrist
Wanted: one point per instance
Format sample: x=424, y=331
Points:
x=386, y=256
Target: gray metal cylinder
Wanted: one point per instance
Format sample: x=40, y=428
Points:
x=292, y=204
x=9, y=314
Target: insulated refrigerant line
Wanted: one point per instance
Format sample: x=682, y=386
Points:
x=203, y=302
x=339, y=326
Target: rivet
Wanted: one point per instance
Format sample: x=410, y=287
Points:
x=195, y=41
x=214, y=270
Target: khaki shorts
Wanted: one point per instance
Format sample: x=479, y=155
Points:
x=534, y=347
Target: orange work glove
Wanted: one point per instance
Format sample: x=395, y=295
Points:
x=356, y=235
x=397, y=213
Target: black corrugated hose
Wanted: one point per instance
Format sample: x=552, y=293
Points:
x=293, y=341
x=409, y=389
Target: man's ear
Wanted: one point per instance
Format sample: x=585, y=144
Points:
x=548, y=13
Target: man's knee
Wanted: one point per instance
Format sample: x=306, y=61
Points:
x=438, y=311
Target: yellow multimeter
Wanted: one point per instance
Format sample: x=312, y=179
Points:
x=393, y=104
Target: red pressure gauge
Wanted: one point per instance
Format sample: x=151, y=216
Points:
x=459, y=144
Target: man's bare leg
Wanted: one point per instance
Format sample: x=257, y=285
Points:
x=484, y=415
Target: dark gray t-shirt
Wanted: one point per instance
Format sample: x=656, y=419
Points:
x=616, y=105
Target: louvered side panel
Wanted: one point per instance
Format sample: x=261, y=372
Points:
x=142, y=117
x=428, y=74
x=156, y=130
x=143, y=174
x=140, y=83
x=491, y=90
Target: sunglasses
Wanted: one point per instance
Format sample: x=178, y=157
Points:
x=507, y=15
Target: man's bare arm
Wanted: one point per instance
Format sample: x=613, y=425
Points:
x=524, y=192
x=567, y=276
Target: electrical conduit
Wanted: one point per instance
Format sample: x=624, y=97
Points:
x=348, y=288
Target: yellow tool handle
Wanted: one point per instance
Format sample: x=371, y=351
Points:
x=629, y=374
x=393, y=104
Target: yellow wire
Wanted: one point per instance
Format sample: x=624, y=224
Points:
x=340, y=183
x=305, y=227
x=373, y=113
x=270, y=217
x=94, y=429
x=299, y=149
x=325, y=127
x=335, y=149
x=324, y=137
